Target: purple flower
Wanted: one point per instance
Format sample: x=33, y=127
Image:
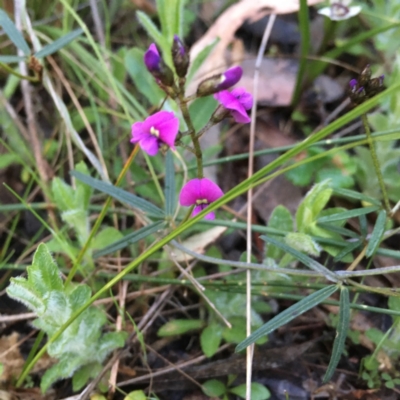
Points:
x=237, y=102
x=152, y=59
x=156, y=130
x=230, y=77
x=200, y=193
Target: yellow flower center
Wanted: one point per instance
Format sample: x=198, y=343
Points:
x=201, y=201
x=154, y=132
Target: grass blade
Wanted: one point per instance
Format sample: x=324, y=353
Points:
x=170, y=187
x=377, y=234
x=129, y=239
x=119, y=194
x=13, y=33
x=58, y=44
x=312, y=264
x=348, y=249
x=348, y=214
x=356, y=196
x=341, y=333
x=286, y=316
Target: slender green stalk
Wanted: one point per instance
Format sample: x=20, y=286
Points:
x=195, y=139
x=154, y=176
x=32, y=79
x=376, y=163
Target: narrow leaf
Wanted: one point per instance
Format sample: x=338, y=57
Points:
x=339, y=230
x=119, y=194
x=151, y=29
x=348, y=249
x=377, y=233
x=348, y=214
x=11, y=59
x=58, y=44
x=170, y=200
x=13, y=33
x=312, y=264
x=341, y=333
x=351, y=194
x=286, y=316
x=179, y=327
x=129, y=239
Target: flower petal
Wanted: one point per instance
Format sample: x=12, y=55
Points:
x=240, y=117
x=209, y=190
x=198, y=209
x=156, y=119
x=244, y=97
x=137, y=132
x=168, y=130
x=152, y=58
x=150, y=145
x=190, y=193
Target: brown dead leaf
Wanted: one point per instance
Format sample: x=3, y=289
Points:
x=228, y=23
x=10, y=357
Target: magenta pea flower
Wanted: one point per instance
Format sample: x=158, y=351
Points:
x=155, y=131
x=236, y=102
x=200, y=193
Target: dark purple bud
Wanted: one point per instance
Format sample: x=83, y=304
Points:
x=180, y=57
x=220, y=82
x=152, y=59
x=230, y=77
x=380, y=79
x=156, y=66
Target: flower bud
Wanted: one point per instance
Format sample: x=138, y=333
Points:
x=156, y=66
x=180, y=57
x=364, y=87
x=220, y=82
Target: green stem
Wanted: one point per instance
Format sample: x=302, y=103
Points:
x=376, y=163
x=33, y=79
x=196, y=144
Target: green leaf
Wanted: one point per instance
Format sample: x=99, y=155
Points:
x=11, y=59
x=348, y=214
x=170, y=186
x=13, y=33
x=347, y=250
x=258, y=391
x=141, y=77
x=313, y=203
x=130, y=239
x=136, y=395
x=58, y=44
x=341, y=333
x=312, y=264
x=210, y=339
x=286, y=316
x=119, y=194
x=377, y=234
x=179, y=327
x=303, y=242
x=213, y=388
x=83, y=191
x=281, y=219
x=82, y=375
x=198, y=61
x=106, y=237
x=351, y=194
x=43, y=273
x=151, y=29
x=63, y=195
x=201, y=110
